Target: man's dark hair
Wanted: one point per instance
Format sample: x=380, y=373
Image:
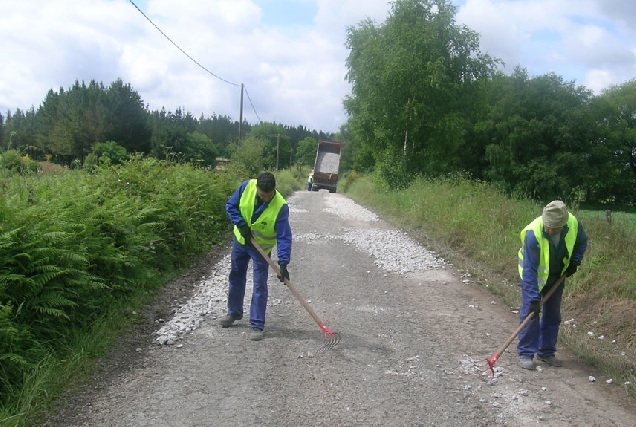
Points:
x=266, y=182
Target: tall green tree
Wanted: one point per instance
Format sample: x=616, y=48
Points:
x=249, y=156
x=70, y=123
x=170, y=132
x=536, y=136
x=221, y=130
x=199, y=149
x=413, y=80
x=2, y=125
x=306, y=152
x=128, y=121
x=46, y=119
x=276, y=144
x=615, y=115
x=20, y=131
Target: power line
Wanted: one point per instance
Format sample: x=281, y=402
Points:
x=248, y=97
x=194, y=60
x=177, y=46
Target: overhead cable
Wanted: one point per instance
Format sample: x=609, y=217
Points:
x=183, y=51
x=248, y=97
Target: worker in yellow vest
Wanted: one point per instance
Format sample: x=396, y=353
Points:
x=553, y=245
x=310, y=181
x=257, y=210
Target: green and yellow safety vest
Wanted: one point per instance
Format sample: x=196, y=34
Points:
x=543, y=272
x=263, y=229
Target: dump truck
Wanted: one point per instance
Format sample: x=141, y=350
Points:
x=326, y=166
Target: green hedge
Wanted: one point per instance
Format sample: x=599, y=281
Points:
x=75, y=245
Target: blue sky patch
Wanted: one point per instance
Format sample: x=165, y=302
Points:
x=285, y=13
x=597, y=22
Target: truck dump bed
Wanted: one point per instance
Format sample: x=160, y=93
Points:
x=326, y=166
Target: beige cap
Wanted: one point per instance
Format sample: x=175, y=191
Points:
x=555, y=214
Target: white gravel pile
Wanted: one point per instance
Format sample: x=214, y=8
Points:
x=210, y=298
x=393, y=251
x=328, y=162
x=348, y=209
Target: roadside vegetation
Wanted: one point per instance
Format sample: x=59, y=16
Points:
x=81, y=251
x=474, y=225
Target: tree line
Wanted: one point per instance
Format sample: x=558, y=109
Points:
x=79, y=124
x=426, y=101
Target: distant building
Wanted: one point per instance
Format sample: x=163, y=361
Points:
x=221, y=163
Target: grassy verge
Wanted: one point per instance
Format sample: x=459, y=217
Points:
x=471, y=224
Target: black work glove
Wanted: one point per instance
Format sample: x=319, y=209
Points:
x=284, y=274
x=571, y=269
x=535, y=307
x=246, y=232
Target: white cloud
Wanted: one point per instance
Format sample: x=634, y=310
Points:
x=572, y=38
x=294, y=74
x=597, y=80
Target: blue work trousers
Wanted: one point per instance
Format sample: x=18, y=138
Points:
x=540, y=337
x=241, y=256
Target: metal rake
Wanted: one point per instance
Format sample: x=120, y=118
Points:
x=333, y=338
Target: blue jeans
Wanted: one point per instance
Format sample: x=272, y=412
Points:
x=540, y=337
x=241, y=256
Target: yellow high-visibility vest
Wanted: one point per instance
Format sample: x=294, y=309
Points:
x=263, y=229
x=543, y=272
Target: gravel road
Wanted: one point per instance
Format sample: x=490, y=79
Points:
x=415, y=336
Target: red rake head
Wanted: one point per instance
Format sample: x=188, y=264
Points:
x=333, y=338
x=491, y=363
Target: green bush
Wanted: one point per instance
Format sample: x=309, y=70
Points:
x=287, y=182
x=115, y=153
x=12, y=161
x=349, y=180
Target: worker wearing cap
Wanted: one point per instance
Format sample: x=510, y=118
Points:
x=553, y=245
x=257, y=211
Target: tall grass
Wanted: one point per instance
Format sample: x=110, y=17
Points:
x=473, y=225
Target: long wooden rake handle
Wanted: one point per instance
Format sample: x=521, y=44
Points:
x=292, y=289
x=529, y=317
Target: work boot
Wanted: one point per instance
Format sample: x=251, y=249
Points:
x=551, y=360
x=229, y=319
x=256, y=334
x=526, y=363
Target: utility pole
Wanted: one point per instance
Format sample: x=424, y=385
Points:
x=277, y=149
x=241, y=115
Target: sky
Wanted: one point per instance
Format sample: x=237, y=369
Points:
x=289, y=55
